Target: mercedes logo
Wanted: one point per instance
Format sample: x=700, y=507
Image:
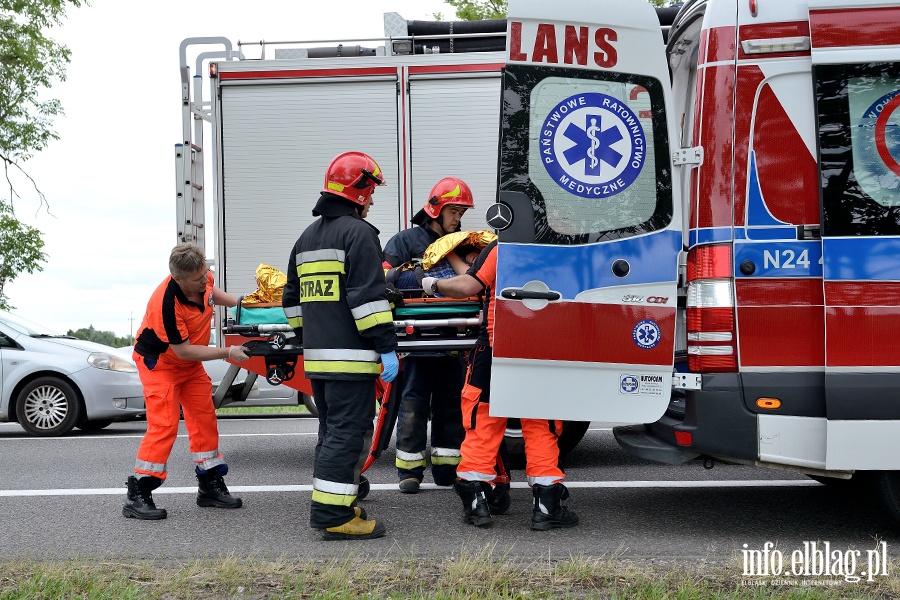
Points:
x=499, y=216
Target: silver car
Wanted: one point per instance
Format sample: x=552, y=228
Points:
x=51, y=383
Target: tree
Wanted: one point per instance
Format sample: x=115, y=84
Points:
x=30, y=63
x=107, y=338
x=475, y=10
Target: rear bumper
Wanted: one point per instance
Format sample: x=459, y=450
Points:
x=716, y=418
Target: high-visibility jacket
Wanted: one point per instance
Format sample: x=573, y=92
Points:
x=335, y=297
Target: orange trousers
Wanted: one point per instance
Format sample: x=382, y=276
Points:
x=169, y=391
x=484, y=433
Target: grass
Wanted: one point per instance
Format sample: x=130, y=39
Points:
x=462, y=576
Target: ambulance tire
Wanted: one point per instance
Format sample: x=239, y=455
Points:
x=573, y=432
x=887, y=484
x=310, y=403
x=48, y=407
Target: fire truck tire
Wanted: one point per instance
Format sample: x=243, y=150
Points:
x=573, y=432
x=887, y=484
x=310, y=403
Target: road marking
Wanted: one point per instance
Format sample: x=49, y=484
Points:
x=138, y=437
x=425, y=486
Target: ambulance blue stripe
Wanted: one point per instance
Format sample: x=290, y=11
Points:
x=779, y=259
x=572, y=269
x=862, y=259
x=709, y=235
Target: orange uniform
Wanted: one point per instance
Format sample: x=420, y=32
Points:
x=484, y=433
x=173, y=385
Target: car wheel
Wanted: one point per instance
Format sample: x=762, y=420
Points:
x=94, y=425
x=47, y=407
x=310, y=403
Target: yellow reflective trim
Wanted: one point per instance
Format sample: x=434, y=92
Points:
x=409, y=464
x=295, y=322
x=445, y=460
x=320, y=266
x=341, y=366
x=452, y=193
x=374, y=319
x=335, y=186
x=332, y=499
x=319, y=288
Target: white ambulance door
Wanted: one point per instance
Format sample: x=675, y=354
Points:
x=856, y=73
x=454, y=128
x=587, y=269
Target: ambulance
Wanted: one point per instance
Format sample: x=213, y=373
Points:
x=727, y=205
x=699, y=217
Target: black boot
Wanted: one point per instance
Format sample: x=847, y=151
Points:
x=212, y=490
x=475, y=505
x=140, y=499
x=499, y=500
x=549, y=513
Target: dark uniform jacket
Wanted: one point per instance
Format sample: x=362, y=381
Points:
x=409, y=244
x=335, y=296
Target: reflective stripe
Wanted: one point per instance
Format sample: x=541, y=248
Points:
x=544, y=480
x=445, y=460
x=198, y=456
x=409, y=464
x=317, y=255
x=341, y=366
x=370, y=308
x=293, y=311
x=332, y=499
x=333, y=487
x=320, y=266
x=340, y=354
x=476, y=476
x=445, y=452
x=209, y=464
x=295, y=322
x=373, y=320
x=150, y=466
x=410, y=455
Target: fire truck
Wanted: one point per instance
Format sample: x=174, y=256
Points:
x=698, y=225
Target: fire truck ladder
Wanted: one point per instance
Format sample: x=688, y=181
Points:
x=189, y=157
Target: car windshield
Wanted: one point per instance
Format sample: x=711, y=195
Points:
x=25, y=326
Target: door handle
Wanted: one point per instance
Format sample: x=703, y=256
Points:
x=520, y=294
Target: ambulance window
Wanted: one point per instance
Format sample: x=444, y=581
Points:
x=859, y=148
x=592, y=155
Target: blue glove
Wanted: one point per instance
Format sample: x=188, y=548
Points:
x=391, y=365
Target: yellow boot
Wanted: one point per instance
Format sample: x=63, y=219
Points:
x=357, y=528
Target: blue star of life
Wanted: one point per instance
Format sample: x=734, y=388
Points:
x=646, y=334
x=592, y=145
x=629, y=384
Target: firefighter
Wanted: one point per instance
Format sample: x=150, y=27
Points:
x=171, y=342
x=431, y=382
x=336, y=301
x=484, y=433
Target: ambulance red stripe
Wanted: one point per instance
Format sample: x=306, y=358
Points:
x=855, y=27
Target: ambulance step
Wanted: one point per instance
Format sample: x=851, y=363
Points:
x=639, y=441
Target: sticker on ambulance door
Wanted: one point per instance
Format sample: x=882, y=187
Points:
x=651, y=385
x=875, y=135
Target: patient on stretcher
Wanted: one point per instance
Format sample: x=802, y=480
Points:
x=449, y=256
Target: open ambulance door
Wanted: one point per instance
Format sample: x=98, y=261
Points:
x=856, y=72
x=590, y=230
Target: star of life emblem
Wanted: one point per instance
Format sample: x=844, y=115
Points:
x=646, y=334
x=592, y=145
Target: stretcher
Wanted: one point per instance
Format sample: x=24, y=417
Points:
x=423, y=325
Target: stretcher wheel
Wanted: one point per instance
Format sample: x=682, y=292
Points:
x=500, y=501
x=276, y=375
x=363, y=489
x=277, y=340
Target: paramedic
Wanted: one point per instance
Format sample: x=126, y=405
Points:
x=335, y=298
x=431, y=383
x=484, y=433
x=171, y=342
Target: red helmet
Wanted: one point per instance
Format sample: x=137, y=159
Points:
x=449, y=191
x=353, y=175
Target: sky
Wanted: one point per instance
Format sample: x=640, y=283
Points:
x=110, y=178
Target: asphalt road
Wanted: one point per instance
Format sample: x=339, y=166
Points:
x=61, y=498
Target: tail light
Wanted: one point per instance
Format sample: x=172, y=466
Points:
x=711, y=339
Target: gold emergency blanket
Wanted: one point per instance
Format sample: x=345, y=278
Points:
x=271, y=286
x=440, y=248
